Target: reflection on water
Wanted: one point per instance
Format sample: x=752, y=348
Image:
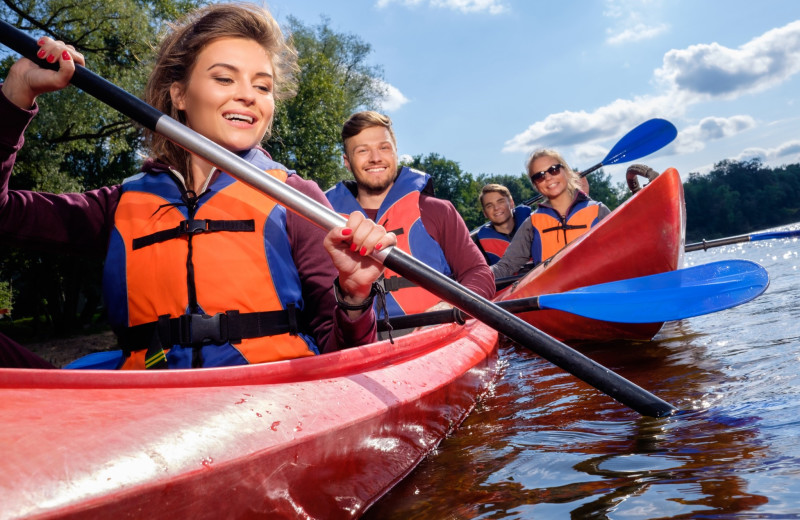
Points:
x=545, y=445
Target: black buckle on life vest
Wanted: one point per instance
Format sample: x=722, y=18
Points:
x=192, y=227
x=195, y=329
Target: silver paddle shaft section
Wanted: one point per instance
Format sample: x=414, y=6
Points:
x=251, y=175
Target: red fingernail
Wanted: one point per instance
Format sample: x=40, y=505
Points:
x=363, y=251
x=378, y=247
x=347, y=231
x=65, y=55
x=41, y=53
x=51, y=58
x=41, y=41
x=353, y=247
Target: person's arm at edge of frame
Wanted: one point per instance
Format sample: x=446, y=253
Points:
x=76, y=223
x=518, y=253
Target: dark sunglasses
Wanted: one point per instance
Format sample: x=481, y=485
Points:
x=553, y=171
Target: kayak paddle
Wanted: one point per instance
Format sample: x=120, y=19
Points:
x=594, y=374
x=669, y=296
x=648, y=137
x=753, y=237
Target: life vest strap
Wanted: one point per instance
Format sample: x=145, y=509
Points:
x=193, y=227
x=196, y=330
x=565, y=227
x=395, y=283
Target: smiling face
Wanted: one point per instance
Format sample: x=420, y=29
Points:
x=497, y=208
x=551, y=186
x=228, y=97
x=372, y=157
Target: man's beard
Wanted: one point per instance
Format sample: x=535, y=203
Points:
x=375, y=186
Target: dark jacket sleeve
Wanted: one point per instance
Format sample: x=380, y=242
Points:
x=445, y=225
x=77, y=223
x=333, y=329
x=518, y=253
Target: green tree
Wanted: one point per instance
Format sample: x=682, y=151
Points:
x=451, y=183
x=601, y=189
x=335, y=80
x=738, y=197
x=5, y=296
x=77, y=143
x=519, y=185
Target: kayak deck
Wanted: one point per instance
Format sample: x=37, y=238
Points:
x=323, y=436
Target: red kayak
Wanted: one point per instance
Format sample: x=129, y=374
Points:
x=320, y=437
x=643, y=236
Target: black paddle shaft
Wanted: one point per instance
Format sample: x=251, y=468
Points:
x=456, y=315
x=523, y=333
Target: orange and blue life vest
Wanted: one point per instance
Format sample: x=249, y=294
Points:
x=552, y=231
x=494, y=243
x=400, y=213
x=203, y=281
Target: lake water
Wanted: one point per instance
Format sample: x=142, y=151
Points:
x=545, y=445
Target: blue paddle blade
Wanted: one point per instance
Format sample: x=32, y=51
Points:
x=770, y=235
x=669, y=296
x=650, y=136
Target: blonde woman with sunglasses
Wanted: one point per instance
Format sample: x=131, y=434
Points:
x=566, y=214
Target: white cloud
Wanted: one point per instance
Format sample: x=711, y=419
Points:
x=712, y=70
x=632, y=21
x=393, y=99
x=637, y=33
x=788, y=152
x=464, y=6
x=404, y=159
x=688, y=76
x=694, y=138
x=584, y=128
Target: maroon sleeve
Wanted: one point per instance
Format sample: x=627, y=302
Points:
x=445, y=225
x=333, y=329
x=76, y=223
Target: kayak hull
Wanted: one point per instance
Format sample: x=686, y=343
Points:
x=320, y=437
x=644, y=236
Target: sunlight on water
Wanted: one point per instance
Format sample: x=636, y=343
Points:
x=543, y=445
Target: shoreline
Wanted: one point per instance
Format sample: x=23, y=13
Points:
x=61, y=351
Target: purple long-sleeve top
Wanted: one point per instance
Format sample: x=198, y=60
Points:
x=81, y=223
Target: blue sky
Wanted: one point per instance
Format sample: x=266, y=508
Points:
x=485, y=82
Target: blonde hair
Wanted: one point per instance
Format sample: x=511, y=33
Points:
x=572, y=177
x=178, y=52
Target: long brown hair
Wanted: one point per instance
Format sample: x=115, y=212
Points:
x=178, y=52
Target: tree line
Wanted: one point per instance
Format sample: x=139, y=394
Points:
x=76, y=143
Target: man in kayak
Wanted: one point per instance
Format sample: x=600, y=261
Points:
x=201, y=269
x=494, y=237
x=402, y=201
x=564, y=215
